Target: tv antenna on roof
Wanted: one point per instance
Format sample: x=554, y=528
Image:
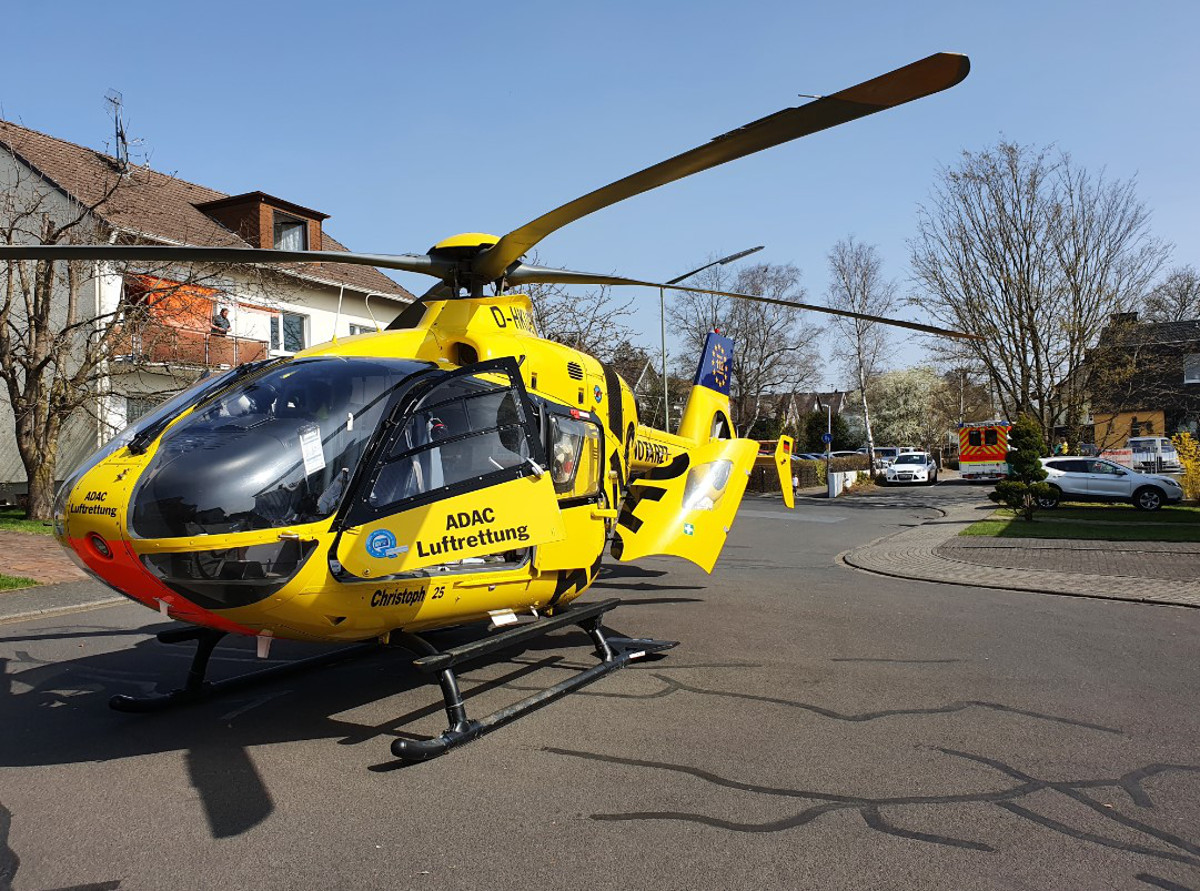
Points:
x=113, y=100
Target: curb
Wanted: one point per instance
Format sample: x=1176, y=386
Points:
x=45, y=601
x=911, y=554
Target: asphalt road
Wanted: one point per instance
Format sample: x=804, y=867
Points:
x=817, y=727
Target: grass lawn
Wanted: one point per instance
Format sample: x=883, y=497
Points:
x=1116, y=522
x=1123, y=513
x=8, y=582
x=12, y=519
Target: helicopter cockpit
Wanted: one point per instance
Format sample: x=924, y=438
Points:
x=373, y=443
x=277, y=449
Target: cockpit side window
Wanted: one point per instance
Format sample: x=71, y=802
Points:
x=459, y=432
x=471, y=429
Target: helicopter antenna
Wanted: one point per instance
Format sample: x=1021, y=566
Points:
x=338, y=318
x=367, y=302
x=113, y=100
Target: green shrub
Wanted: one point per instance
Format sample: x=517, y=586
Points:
x=1024, y=485
x=811, y=473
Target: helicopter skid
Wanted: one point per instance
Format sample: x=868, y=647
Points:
x=196, y=688
x=614, y=652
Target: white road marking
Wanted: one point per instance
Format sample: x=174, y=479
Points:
x=794, y=516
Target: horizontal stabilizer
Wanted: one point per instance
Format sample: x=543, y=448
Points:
x=686, y=508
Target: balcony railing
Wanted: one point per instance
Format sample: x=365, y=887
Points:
x=167, y=344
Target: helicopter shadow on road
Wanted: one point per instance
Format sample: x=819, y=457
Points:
x=628, y=577
x=62, y=708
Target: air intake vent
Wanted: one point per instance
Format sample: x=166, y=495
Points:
x=575, y=370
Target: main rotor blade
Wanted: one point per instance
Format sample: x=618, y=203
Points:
x=421, y=263
x=930, y=75
x=544, y=275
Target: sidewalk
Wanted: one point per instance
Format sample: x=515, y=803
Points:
x=37, y=557
x=1146, y=572
x=65, y=587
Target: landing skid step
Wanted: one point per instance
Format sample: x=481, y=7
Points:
x=614, y=652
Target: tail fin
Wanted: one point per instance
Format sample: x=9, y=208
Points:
x=686, y=507
x=706, y=415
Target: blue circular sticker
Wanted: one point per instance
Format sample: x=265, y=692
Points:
x=598, y=393
x=381, y=543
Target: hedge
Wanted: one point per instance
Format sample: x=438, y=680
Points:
x=811, y=473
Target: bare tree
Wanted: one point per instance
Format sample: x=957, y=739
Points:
x=857, y=284
x=1023, y=247
x=1176, y=298
x=775, y=350
x=56, y=339
x=592, y=321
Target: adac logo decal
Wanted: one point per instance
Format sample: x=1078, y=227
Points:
x=598, y=393
x=382, y=543
x=720, y=366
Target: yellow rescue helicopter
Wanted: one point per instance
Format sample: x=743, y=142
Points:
x=456, y=468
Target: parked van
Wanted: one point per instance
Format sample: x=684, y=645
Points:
x=1154, y=454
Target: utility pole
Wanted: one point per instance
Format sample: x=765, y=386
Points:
x=662, y=319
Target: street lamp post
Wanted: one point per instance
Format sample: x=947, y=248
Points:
x=662, y=317
x=828, y=406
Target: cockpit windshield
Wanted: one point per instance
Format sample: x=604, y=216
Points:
x=276, y=450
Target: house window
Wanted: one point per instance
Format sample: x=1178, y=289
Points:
x=287, y=332
x=136, y=406
x=291, y=233
x=360, y=329
x=1191, y=369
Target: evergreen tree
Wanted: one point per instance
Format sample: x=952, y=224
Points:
x=814, y=426
x=1024, y=487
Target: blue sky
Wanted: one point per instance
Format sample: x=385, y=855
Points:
x=410, y=123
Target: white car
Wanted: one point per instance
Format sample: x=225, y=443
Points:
x=913, y=467
x=1095, y=479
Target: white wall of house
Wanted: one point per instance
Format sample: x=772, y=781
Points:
x=23, y=187
x=253, y=315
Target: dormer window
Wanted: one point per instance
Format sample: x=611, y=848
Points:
x=291, y=233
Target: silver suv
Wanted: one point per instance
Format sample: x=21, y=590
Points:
x=1095, y=479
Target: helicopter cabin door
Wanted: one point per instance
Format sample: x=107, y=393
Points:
x=458, y=475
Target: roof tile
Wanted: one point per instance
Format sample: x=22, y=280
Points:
x=162, y=207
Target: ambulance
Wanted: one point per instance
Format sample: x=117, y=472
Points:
x=983, y=450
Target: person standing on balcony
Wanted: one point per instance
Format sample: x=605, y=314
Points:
x=220, y=322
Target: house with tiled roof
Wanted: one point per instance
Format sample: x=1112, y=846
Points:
x=794, y=407
x=1143, y=379
x=269, y=312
